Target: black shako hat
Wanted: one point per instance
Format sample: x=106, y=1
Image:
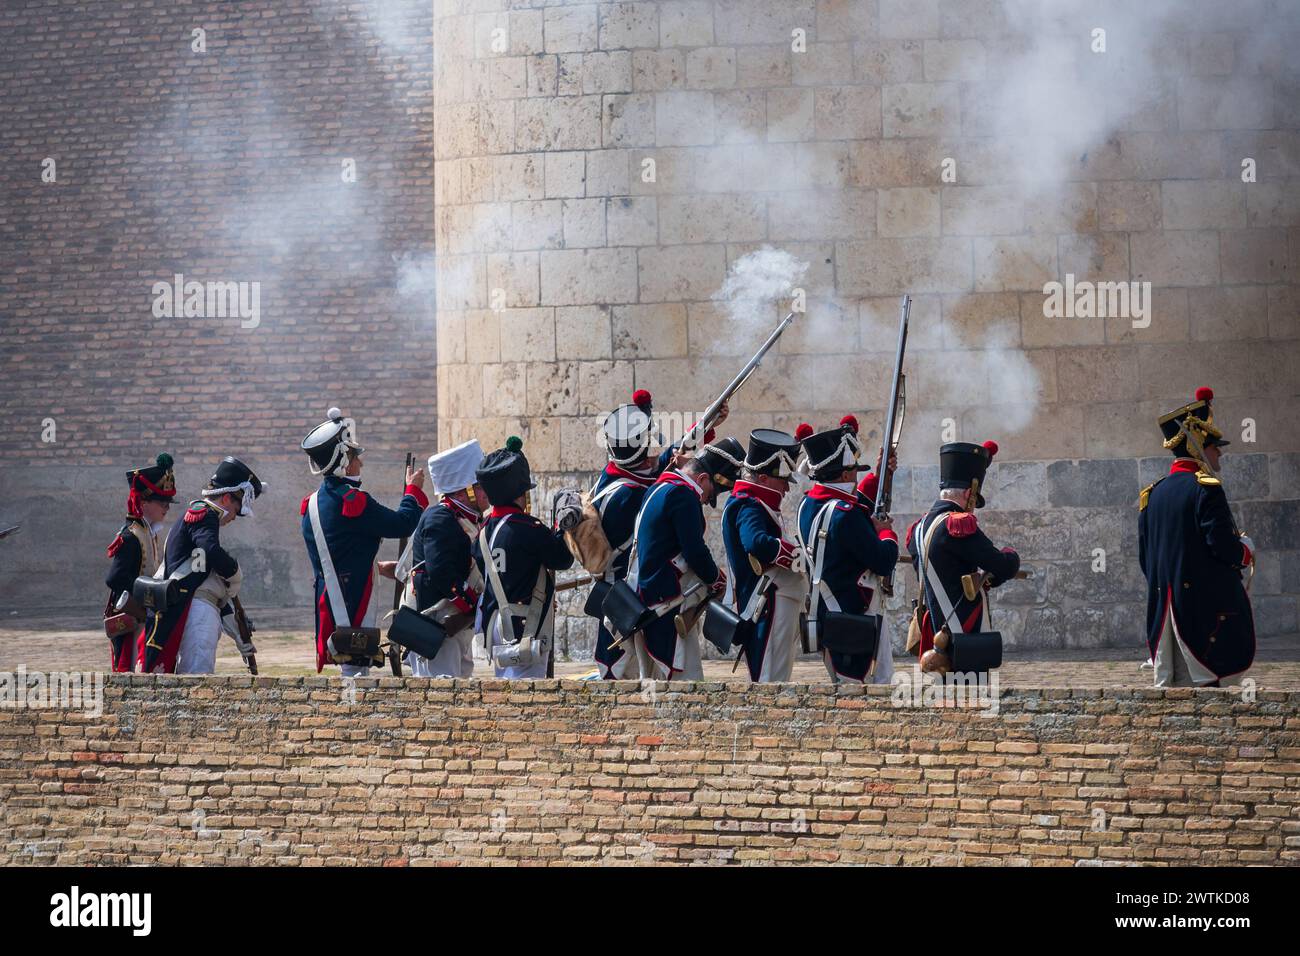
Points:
x=771, y=452
x=962, y=464
x=722, y=461
x=156, y=482
x=504, y=473
x=831, y=452
x=629, y=430
x=1195, y=420
x=327, y=443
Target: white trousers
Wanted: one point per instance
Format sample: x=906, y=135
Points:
x=198, y=651
x=1176, y=667
x=789, y=596
x=686, y=659
x=454, y=659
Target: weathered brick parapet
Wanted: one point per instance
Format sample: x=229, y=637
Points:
x=306, y=772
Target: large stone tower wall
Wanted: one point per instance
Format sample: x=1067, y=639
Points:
x=568, y=276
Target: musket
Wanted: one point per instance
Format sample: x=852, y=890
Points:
x=577, y=583
x=245, y=636
x=6, y=532
x=394, y=651
x=702, y=427
x=893, y=428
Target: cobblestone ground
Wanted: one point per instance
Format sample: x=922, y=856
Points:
x=66, y=641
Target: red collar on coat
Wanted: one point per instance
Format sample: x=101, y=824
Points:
x=1185, y=464
x=615, y=471
x=820, y=492
x=677, y=478
x=504, y=511
x=768, y=496
x=464, y=511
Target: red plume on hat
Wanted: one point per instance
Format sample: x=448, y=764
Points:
x=803, y=431
x=1204, y=394
x=992, y=447
x=642, y=400
x=849, y=422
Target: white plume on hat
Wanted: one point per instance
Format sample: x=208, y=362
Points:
x=454, y=469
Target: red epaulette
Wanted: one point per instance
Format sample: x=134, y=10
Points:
x=911, y=530
x=195, y=515
x=303, y=509
x=116, y=545
x=354, y=502
x=962, y=524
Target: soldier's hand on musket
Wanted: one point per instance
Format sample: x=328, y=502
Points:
x=415, y=476
x=387, y=569
x=679, y=458
x=893, y=461
x=885, y=523
x=723, y=412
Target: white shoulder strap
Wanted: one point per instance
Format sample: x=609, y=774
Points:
x=338, y=607
x=823, y=590
x=533, y=612
x=931, y=576
x=634, y=562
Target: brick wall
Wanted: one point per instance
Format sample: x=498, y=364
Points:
x=604, y=280
x=290, y=771
x=222, y=166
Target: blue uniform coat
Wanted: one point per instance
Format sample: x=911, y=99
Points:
x=1192, y=557
x=354, y=524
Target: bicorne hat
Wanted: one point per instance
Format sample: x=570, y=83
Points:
x=231, y=477
x=1190, y=430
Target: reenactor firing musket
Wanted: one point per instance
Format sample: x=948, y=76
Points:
x=395, y=651
x=893, y=429
x=710, y=417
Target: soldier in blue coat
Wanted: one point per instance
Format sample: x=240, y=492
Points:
x=670, y=556
x=518, y=556
x=844, y=545
x=1200, y=628
x=629, y=434
x=343, y=527
x=766, y=568
x=445, y=580
x=183, y=638
x=947, y=544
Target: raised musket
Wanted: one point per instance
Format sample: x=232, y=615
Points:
x=394, y=650
x=893, y=428
x=693, y=434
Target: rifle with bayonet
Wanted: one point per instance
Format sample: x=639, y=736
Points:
x=893, y=429
x=701, y=428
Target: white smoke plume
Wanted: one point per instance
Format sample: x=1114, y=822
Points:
x=756, y=281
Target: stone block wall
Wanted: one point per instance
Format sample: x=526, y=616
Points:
x=220, y=165
x=601, y=166
x=297, y=772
